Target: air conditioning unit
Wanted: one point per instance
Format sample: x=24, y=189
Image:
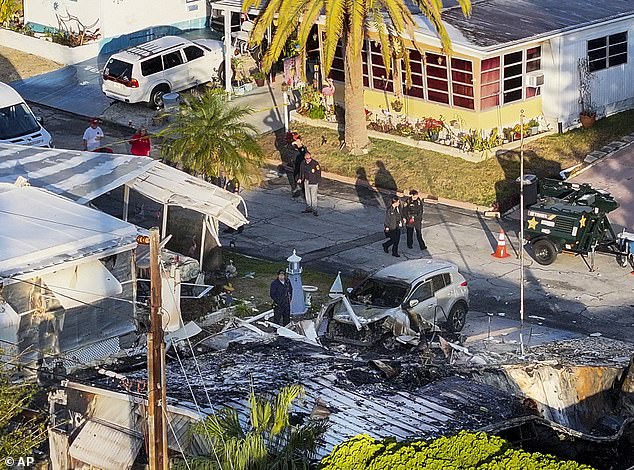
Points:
x=535, y=79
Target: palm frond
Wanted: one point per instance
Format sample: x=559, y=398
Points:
x=334, y=29
x=356, y=10
x=283, y=404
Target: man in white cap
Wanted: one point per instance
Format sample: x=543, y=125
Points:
x=92, y=136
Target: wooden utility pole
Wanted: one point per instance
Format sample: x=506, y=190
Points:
x=157, y=404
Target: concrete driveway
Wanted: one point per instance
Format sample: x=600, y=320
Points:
x=616, y=175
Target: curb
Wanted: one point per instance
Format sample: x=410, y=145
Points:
x=427, y=198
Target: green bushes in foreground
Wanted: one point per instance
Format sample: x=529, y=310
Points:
x=460, y=452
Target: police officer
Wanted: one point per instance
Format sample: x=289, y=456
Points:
x=413, y=212
x=393, y=223
x=281, y=293
x=310, y=176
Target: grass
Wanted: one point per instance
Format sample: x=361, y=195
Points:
x=454, y=178
x=257, y=289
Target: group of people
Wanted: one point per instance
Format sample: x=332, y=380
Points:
x=408, y=214
x=306, y=174
x=140, y=144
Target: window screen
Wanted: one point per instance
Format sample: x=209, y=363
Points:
x=607, y=51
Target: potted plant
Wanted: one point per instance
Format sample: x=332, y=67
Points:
x=533, y=125
x=259, y=78
x=588, y=115
x=397, y=105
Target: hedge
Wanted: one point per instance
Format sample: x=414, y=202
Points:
x=463, y=451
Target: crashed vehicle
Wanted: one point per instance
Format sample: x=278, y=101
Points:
x=402, y=300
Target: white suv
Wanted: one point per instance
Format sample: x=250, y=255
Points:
x=146, y=72
x=412, y=295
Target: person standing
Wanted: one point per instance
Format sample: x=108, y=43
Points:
x=310, y=176
x=93, y=136
x=393, y=223
x=413, y=211
x=281, y=293
x=140, y=143
x=301, y=150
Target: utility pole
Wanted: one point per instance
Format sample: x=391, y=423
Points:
x=522, y=232
x=157, y=404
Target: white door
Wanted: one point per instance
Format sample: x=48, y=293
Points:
x=175, y=70
x=198, y=65
x=423, y=301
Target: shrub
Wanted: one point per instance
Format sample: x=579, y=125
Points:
x=465, y=450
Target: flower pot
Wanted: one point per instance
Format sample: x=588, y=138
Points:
x=587, y=120
x=259, y=81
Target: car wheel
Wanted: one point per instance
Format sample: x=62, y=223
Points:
x=457, y=317
x=544, y=252
x=156, y=97
x=221, y=73
x=621, y=260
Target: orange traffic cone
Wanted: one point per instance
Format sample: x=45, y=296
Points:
x=500, y=251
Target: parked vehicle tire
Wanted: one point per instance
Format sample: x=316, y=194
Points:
x=221, y=73
x=457, y=317
x=156, y=97
x=544, y=251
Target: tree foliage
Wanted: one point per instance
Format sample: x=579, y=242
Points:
x=347, y=22
x=209, y=135
x=19, y=434
x=269, y=441
x=8, y=8
x=463, y=451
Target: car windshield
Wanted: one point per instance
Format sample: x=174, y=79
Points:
x=379, y=293
x=16, y=121
x=118, y=69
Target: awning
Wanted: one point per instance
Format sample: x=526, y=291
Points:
x=80, y=176
x=106, y=447
x=173, y=187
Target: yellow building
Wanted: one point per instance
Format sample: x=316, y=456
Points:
x=507, y=58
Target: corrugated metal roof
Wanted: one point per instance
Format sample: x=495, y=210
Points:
x=80, y=176
x=495, y=23
x=41, y=230
x=106, y=447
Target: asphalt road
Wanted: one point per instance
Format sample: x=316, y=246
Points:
x=346, y=237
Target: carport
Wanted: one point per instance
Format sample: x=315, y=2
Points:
x=227, y=7
x=84, y=176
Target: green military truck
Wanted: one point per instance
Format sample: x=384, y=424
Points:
x=573, y=217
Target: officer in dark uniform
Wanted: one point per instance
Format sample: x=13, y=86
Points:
x=393, y=223
x=413, y=211
x=281, y=293
x=301, y=150
x=310, y=176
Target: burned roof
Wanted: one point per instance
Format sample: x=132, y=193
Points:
x=497, y=23
x=421, y=402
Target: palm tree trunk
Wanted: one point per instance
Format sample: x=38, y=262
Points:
x=356, y=132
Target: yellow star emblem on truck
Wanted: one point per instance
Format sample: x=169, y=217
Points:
x=582, y=221
x=532, y=223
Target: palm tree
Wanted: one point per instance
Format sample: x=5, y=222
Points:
x=348, y=21
x=270, y=441
x=208, y=136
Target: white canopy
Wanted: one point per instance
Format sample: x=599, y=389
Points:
x=173, y=187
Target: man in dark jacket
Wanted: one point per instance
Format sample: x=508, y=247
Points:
x=281, y=293
x=301, y=150
x=413, y=211
x=393, y=223
x=310, y=176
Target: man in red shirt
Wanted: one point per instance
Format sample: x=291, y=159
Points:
x=140, y=143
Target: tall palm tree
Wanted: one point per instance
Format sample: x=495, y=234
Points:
x=209, y=136
x=348, y=21
x=269, y=442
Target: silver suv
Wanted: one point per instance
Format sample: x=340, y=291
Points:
x=401, y=299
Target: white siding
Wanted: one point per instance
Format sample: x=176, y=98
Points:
x=116, y=17
x=612, y=88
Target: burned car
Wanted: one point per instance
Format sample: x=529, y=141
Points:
x=401, y=300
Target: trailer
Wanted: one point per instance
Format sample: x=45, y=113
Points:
x=571, y=217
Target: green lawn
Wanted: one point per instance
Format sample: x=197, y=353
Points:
x=450, y=177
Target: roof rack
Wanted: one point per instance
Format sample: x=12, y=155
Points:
x=150, y=48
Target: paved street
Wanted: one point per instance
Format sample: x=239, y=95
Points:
x=347, y=235
x=616, y=175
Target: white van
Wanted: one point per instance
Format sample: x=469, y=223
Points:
x=146, y=72
x=18, y=125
